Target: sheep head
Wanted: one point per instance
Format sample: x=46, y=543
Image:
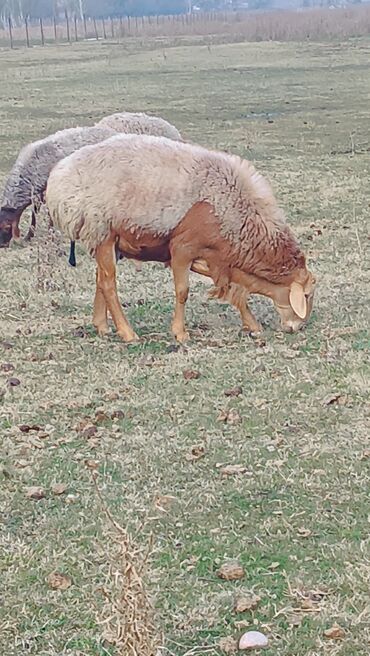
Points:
x=294, y=302
x=292, y=297
x=9, y=220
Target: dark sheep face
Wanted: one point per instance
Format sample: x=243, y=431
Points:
x=9, y=220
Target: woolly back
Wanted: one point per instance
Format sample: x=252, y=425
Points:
x=140, y=123
x=28, y=177
x=148, y=184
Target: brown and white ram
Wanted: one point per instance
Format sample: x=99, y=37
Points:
x=177, y=203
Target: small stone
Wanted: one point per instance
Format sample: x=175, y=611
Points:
x=13, y=382
x=233, y=470
x=71, y=498
x=92, y=464
x=234, y=417
x=231, y=571
x=89, y=431
x=24, y=428
x=35, y=493
x=6, y=345
x=117, y=414
x=58, y=488
x=58, y=581
x=242, y=604
x=234, y=391
x=100, y=417
x=253, y=640
x=197, y=452
x=335, y=633
x=7, y=366
x=112, y=396
x=191, y=374
x=335, y=399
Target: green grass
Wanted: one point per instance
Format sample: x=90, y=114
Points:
x=303, y=504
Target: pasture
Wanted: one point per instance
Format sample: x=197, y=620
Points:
x=296, y=516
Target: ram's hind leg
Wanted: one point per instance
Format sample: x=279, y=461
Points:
x=32, y=228
x=106, y=285
x=100, y=316
x=180, y=267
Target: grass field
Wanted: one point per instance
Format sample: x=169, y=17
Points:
x=298, y=517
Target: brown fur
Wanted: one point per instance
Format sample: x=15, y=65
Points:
x=196, y=243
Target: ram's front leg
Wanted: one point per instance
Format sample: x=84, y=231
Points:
x=236, y=295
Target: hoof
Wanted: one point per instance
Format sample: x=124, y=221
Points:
x=254, y=334
x=129, y=338
x=181, y=338
x=102, y=330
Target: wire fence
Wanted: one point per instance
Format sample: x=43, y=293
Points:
x=287, y=25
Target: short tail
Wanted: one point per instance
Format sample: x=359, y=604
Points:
x=72, y=254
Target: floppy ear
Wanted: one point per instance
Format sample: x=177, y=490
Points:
x=298, y=300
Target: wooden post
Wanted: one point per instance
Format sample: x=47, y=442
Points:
x=104, y=32
x=128, y=24
x=136, y=24
x=112, y=27
x=55, y=29
x=67, y=22
x=85, y=28
x=42, y=33
x=10, y=32
x=121, y=28
x=27, y=33
x=96, y=30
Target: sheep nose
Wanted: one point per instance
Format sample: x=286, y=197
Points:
x=292, y=326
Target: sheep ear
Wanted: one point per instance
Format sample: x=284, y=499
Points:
x=298, y=300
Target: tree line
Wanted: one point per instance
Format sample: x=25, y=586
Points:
x=19, y=9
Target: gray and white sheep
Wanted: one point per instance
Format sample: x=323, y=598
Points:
x=140, y=123
x=26, y=183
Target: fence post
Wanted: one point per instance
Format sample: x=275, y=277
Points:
x=128, y=24
x=27, y=34
x=10, y=31
x=96, y=30
x=112, y=27
x=55, y=29
x=104, y=32
x=67, y=22
x=42, y=33
x=121, y=28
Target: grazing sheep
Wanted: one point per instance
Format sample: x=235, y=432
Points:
x=177, y=203
x=140, y=123
x=26, y=183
